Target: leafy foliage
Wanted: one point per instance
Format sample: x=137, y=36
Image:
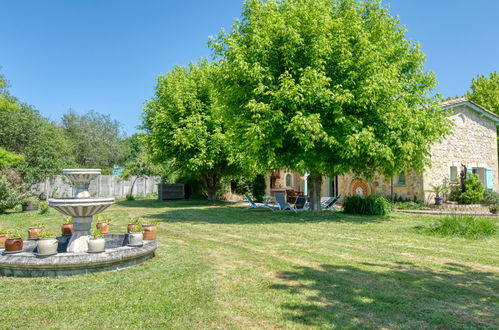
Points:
x=370, y=205
x=184, y=129
x=462, y=226
x=327, y=87
x=8, y=159
x=98, y=139
x=485, y=91
x=474, y=190
x=9, y=196
x=259, y=186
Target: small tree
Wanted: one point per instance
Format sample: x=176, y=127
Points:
x=140, y=167
x=184, y=129
x=485, y=91
x=474, y=192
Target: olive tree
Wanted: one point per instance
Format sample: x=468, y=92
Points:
x=184, y=129
x=326, y=87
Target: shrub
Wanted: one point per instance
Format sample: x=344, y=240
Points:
x=490, y=197
x=259, y=186
x=461, y=226
x=474, y=191
x=129, y=197
x=454, y=192
x=370, y=205
x=9, y=197
x=44, y=208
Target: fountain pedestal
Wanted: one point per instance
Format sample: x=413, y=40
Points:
x=82, y=208
x=80, y=237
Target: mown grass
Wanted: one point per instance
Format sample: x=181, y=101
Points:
x=222, y=266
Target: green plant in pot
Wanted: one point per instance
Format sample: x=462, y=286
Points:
x=96, y=243
x=35, y=231
x=4, y=234
x=136, y=236
x=439, y=191
x=47, y=244
x=67, y=226
x=103, y=222
x=14, y=243
x=150, y=230
x=134, y=222
x=494, y=208
x=29, y=202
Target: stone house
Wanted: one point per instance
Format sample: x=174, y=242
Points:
x=472, y=143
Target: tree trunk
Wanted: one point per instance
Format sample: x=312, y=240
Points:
x=211, y=182
x=314, y=184
x=133, y=185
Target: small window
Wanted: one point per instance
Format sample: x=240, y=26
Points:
x=453, y=173
x=401, y=178
x=289, y=180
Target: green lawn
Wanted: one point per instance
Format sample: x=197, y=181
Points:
x=222, y=266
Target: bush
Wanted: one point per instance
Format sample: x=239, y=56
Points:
x=454, y=192
x=44, y=208
x=461, y=226
x=490, y=197
x=259, y=186
x=370, y=205
x=129, y=197
x=9, y=197
x=474, y=191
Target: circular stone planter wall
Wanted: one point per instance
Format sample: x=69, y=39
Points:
x=117, y=255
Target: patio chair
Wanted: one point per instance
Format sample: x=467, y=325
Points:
x=329, y=203
x=281, y=202
x=301, y=203
x=253, y=205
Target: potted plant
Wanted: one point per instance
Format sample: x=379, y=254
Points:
x=96, y=243
x=35, y=231
x=438, y=190
x=4, y=234
x=150, y=230
x=134, y=222
x=135, y=237
x=67, y=227
x=47, y=244
x=103, y=223
x=29, y=203
x=493, y=208
x=14, y=243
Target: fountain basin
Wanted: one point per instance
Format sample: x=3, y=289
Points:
x=117, y=256
x=80, y=207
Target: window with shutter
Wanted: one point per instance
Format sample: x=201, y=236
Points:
x=489, y=179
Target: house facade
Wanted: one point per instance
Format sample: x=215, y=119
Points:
x=472, y=143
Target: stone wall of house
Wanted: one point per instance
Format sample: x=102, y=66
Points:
x=473, y=143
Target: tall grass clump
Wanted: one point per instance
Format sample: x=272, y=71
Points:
x=370, y=205
x=465, y=226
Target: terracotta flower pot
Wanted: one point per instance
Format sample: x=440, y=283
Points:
x=67, y=229
x=34, y=232
x=130, y=227
x=14, y=244
x=103, y=226
x=3, y=238
x=150, y=232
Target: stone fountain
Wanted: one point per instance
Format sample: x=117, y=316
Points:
x=82, y=207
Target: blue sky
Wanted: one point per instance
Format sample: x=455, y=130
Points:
x=105, y=55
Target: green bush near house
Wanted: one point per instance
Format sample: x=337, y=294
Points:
x=469, y=227
x=410, y=206
x=474, y=191
x=370, y=205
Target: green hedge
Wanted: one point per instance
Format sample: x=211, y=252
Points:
x=370, y=205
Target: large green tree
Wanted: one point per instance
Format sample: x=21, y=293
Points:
x=485, y=91
x=98, y=139
x=327, y=87
x=183, y=126
x=44, y=147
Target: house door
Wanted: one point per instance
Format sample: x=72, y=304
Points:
x=333, y=187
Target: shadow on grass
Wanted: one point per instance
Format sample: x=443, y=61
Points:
x=400, y=295
x=237, y=213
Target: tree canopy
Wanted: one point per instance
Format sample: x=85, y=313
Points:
x=485, y=91
x=98, y=139
x=183, y=126
x=327, y=87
